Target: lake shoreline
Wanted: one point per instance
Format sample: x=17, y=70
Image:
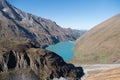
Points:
x=63, y=49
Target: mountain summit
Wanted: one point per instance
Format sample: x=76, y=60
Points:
x=16, y=25
x=101, y=44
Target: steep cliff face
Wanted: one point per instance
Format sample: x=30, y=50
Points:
x=24, y=62
x=18, y=25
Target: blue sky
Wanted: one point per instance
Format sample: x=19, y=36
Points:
x=76, y=14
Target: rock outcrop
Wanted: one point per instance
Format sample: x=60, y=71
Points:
x=18, y=25
x=101, y=44
x=24, y=62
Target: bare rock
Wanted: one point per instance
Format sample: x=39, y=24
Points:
x=36, y=64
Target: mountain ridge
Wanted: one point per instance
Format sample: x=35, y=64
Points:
x=24, y=26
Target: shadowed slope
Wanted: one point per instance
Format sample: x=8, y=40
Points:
x=24, y=62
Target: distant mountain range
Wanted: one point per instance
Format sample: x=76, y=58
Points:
x=16, y=25
x=101, y=44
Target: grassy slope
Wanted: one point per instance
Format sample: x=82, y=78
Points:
x=101, y=44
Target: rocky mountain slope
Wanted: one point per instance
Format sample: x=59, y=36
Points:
x=111, y=74
x=21, y=36
x=24, y=62
x=101, y=44
x=18, y=25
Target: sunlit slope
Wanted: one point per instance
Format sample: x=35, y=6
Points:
x=111, y=74
x=101, y=44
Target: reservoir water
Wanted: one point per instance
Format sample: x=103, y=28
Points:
x=64, y=49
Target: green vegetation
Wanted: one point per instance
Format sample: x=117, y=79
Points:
x=100, y=57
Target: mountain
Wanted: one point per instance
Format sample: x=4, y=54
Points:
x=21, y=36
x=101, y=44
x=111, y=74
x=25, y=62
x=16, y=25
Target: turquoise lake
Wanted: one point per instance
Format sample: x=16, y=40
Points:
x=64, y=49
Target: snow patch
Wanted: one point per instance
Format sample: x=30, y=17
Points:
x=4, y=9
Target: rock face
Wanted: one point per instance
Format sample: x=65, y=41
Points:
x=24, y=62
x=18, y=25
x=101, y=44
